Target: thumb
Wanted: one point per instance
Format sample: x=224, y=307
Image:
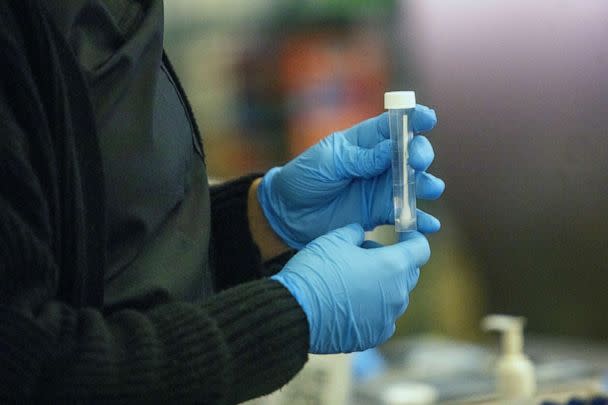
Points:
x=414, y=246
x=356, y=161
x=353, y=234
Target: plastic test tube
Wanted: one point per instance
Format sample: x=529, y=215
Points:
x=400, y=105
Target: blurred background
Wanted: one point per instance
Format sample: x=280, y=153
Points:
x=521, y=93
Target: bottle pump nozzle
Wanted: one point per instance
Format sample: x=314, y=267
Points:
x=514, y=371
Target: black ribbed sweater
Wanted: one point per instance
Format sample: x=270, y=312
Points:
x=57, y=341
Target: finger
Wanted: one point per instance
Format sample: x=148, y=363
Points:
x=421, y=153
x=387, y=333
x=423, y=119
x=354, y=161
x=368, y=133
x=352, y=234
x=412, y=277
x=371, y=244
x=382, y=207
x=428, y=187
x=427, y=223
x=413, y=248
x=403, y=307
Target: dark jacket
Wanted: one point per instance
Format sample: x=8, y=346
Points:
x=58, y=339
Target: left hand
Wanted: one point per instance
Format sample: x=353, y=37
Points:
x=346, y=178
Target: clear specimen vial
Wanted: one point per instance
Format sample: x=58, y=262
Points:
x=400, y=106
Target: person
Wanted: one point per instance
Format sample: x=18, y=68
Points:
x=124, y=277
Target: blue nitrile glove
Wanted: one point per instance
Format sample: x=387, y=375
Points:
x=352, y=292
x=367, y=364
x=346, y=178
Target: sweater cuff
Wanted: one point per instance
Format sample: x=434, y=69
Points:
x=23, y=351
x=266, y=332
x=276, y=264
x=236, y=258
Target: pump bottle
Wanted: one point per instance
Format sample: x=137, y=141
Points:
x=514, y=371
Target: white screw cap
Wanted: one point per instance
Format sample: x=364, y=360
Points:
x=399, y=100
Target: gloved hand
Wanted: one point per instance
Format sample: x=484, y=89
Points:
x=352, y=292
x=346, y=178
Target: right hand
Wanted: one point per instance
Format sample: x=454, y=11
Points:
x=352, y=291
x=346, y=178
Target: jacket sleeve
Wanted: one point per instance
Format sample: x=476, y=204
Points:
x=244, y=342
x=221, y=352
